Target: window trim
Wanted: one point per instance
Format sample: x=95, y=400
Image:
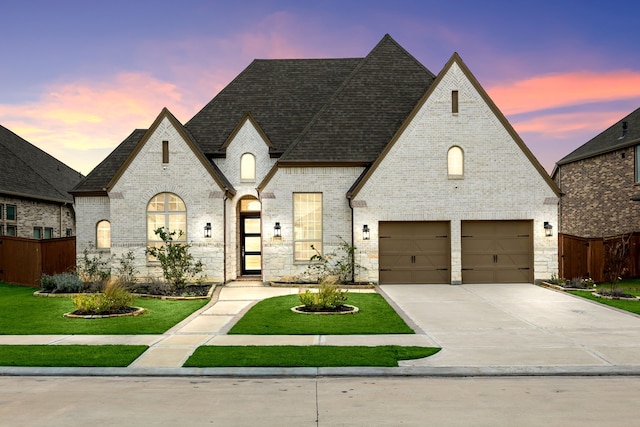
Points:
x=450, y=160
x=98, y=245
x=39, y=232
x=636, y=152
x=12, y=227
x=243, y=167
x=1, y=210
x=15, y=212
x=454, y=102
x=165, y=152
x=298, y=240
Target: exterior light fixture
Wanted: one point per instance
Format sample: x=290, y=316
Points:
x=207, y=230
x=548, y=229
x=365, y=232
x=277, y=230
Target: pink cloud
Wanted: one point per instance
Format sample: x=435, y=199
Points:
x=558, y=126
x=80, y=122
x=568, y=89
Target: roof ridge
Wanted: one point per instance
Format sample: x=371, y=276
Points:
x=385, y=39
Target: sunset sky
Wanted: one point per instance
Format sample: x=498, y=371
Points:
x=76, y=77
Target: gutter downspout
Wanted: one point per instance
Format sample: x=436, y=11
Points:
x=352, y=260
x=224, y=236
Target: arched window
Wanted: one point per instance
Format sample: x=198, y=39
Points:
x=103, y=234
x=248, y=167
x=166, y=210
x=455, y=162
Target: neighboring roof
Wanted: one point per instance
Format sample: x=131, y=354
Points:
x=27, y=171
x=364, y=114
x=609, y=140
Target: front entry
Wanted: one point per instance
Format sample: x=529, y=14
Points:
x=250, y=238
x=251, y=244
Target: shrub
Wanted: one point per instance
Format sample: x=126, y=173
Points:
x=328, y=297
x=92, y=269
x=64, y=282
x=178, y=265
x=114, y=298
x=126, y=270
x=340, y=264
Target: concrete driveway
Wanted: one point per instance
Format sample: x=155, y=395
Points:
x=513, y=325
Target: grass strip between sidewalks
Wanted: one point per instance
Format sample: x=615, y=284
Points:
x=304, y=356
x=73, y=356
x=23, y=314
x=273, y=316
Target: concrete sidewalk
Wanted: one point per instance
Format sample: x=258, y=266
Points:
x=516, y=329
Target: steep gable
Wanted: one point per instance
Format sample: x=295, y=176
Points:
x=26, y=170
x=361, y=118
x=456, y=61
x=611, y=139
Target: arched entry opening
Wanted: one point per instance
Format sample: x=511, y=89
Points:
x=250, y=236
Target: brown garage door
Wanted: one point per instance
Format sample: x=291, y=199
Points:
x=497, y=252
x=415, y=252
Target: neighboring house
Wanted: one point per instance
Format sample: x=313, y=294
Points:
x=420, y=172
x=599, y=180
x=34, y=191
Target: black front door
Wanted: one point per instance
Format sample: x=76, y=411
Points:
x=250, y=244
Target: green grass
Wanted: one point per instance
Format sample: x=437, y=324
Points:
x=304, y=356
x=629, y=286
x=70, y=355
x=273, y=316
x=630, y=306
x=23, y=314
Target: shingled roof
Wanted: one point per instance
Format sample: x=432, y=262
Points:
x=311, y=110
x=612, y=139
x=362, y=117
x=27, y=171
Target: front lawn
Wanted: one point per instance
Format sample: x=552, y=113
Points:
x=23, y=314
x=273, y=316
x=304, y=356
x=70, y=355
x=630, y=306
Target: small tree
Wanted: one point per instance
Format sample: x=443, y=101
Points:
x=94, y=270
x=340, y=264
x=178, y=265
x=616, y=260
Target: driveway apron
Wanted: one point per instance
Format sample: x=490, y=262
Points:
x=516, y=325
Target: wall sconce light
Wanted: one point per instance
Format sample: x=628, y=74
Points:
x=277, y=230
x=548, y=229
x=207, y=230
x=365, y=232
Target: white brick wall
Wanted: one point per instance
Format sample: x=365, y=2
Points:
x=333, y=183
x=500, y=183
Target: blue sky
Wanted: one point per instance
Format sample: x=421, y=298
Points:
x=77, y=77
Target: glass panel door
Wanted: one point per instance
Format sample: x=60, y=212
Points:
x=251, y=244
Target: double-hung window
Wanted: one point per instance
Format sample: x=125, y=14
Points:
x=307, y=225
x=168, y=211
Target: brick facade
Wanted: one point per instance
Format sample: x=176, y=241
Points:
x=500, y=183
x=596, y=195
x=32, y=213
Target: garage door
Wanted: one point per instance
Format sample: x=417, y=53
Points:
x=497, y=252
x=414, y=252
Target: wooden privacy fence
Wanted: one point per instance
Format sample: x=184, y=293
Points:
x=24, y=261
x=579, y=257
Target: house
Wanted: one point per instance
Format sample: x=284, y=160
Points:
x=600, y=182
x=420, y=172
x=34, y=191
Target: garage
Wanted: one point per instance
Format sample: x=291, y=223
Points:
x=415, y=252
x=497, y=252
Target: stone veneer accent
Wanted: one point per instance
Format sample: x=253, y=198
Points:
x=32, y=213
x=597, y=192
